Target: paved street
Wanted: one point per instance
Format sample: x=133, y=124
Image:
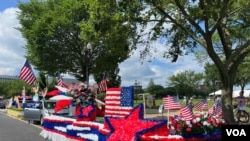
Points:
x=12, y=129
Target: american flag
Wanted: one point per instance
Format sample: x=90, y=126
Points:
x=186, y=113
x=75, y=86
x=202, y=105
x=215, y=110
x=119, y=101
x=27, y=74
x=211, y=110
x=218, y=110
x=171, y=103
x=60, y=81
x=103, y=86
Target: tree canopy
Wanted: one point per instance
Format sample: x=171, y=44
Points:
x=58, y=31
x=13, y=88
x=186, y=82
x=220, y=28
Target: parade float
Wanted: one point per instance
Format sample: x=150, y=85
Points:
x=124, y=123
x=129, y=125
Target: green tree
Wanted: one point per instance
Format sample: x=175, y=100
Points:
x=114, y=80
x=185, y=82
x=157, y=91
x=15, y=87
x=220, y=28
x=172, y=91
x=211, y=76
x=58, y=33
x=44, y=81
x=243, y=75
x=151, y=83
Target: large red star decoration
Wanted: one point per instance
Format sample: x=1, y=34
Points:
x=131, y=127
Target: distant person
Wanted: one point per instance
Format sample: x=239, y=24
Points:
x=184, y=100
x=150, y=101
x=217, y=100
x=241, y=101
x=154, y=102
x=190, y=104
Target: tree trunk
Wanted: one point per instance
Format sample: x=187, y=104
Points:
x=227, y=106
x=226, y=99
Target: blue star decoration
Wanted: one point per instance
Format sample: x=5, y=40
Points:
x=133, y=126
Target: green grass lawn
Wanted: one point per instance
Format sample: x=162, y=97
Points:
x=159, y=102
x=195, y=101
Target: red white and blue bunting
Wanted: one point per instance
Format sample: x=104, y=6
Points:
x=132, y=127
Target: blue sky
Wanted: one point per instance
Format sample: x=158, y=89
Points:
x=131, y=70
x=9, y=3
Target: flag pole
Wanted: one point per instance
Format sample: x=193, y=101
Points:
x=144, y=103
x=168, y=115
x=162, y=114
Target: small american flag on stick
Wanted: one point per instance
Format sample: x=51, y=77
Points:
x=60, y=81
x=186, y=113
x=215, y=110
x=103, y=86
x=119, y=101
x=218, y=110
x=202, y=105
x=171, y=103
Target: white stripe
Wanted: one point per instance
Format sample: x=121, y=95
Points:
x=113, y=92
x=112, y=97
x=72, y=127
x=113, y=102
x=117, y=107
x=92, y=137
x=60, y=128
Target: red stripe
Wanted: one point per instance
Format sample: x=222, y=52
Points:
x=112, y=104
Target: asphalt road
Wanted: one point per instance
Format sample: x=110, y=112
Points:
x=12, y=129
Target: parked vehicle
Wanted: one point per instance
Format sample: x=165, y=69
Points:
x=2, y=104
x=41, y=109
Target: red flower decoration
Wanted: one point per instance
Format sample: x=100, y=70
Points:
x=188, y=129
x=178, y=126
x=171, y=118
x=127, y=128
x=198, y=124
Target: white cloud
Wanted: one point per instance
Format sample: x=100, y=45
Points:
x=11, y=43
x=159, y=70
x=131, y=70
